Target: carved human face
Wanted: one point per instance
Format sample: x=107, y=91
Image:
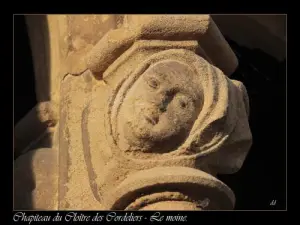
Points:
x=161, y=106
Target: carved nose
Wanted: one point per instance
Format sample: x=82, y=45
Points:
x=165, y=102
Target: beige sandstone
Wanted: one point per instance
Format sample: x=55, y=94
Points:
x=148, y=115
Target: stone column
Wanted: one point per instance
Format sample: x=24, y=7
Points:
x=148, y=115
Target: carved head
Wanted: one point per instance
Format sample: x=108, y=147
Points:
x=161, y=106
x=176, y=102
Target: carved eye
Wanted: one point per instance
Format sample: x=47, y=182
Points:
x=182, y=104
x=182, y=101
x=153, y=83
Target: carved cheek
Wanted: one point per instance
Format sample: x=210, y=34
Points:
x=142, y=93
x=137, y=97
x=172, y=117
x=185, y=115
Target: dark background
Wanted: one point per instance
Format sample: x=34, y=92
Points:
x=263, y=175
x=24, y=87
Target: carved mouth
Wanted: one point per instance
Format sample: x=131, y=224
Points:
x=152, y=120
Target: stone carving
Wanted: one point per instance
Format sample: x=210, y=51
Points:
x=152, y=119
x=157, y=111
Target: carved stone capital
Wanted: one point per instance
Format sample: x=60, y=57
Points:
x=151, y=116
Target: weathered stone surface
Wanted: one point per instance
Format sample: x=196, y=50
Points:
x=200, y=28
x=150, y=116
